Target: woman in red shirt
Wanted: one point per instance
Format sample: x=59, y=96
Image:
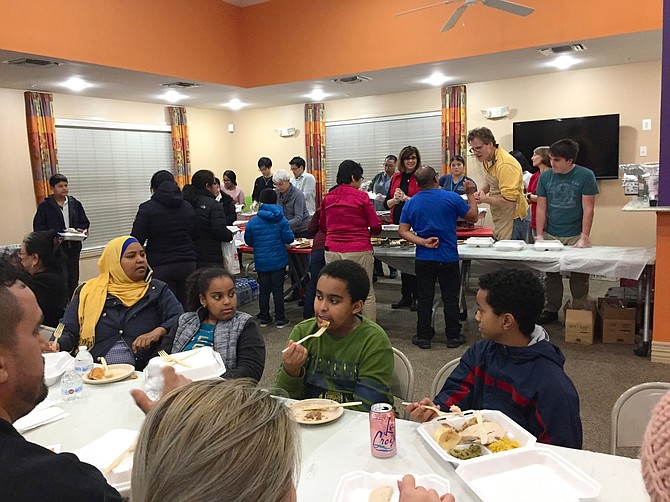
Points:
x=540, y=159
x=348, y=218
x=403, y=187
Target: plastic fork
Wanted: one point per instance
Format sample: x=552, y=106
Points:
x=168, y=358
x=58, y=333
x=434, y=408
x=321, y=331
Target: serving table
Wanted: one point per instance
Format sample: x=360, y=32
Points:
x=328, y=450
x=609, y=261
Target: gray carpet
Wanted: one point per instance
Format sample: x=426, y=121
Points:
x=600, y=372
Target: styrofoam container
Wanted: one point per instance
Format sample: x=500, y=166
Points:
x=73, y=236
x=548, y=245
x=509, y=245
x=206, y=362
x=479, y=242
x=543, y=474
x=514, y=431
x=55, y=364
x=356, y=486
x=390, y=228
x=105, y=450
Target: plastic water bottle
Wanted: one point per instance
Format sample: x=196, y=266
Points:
x=83, y=363
x=153, y=380
x=71, y=386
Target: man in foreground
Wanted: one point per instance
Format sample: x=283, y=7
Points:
x=514, y=369
x=432, y=215
x=31, y=472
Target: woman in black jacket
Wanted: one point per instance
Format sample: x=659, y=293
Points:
x=165, y=225
x=210, y=219
x=44, y=263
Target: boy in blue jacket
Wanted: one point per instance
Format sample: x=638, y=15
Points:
x=515, y=369
x=268, y=233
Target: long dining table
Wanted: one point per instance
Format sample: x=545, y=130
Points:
x=328, y=451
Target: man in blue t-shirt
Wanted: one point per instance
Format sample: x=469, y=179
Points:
x=566, y=197
x=432, y=214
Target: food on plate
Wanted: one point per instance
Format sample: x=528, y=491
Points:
x=455, y=409
x=492, y=429
x=381, y=494
x=471, y=451
x=96, y=374
x=313, y=415
x=447, y=437
x=503, y=444
x=134, y=376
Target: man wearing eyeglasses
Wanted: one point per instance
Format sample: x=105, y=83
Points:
x=503, y=188
x=380, y=185
x=304, y=182
x=262, y=182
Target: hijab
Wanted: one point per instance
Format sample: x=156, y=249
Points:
x=112, y=280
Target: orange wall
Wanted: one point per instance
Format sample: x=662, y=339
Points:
x=662, y=280
x=291, y=40
x=320, y=38
x=194, y=39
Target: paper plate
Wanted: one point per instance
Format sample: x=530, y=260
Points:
x=357, y=486
x=327, y=415
x=117, y=373
x=543, y=474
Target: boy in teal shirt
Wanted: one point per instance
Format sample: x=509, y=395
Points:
x=353, y=359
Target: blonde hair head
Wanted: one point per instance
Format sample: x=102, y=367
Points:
x=216, y=440
x=543, y=152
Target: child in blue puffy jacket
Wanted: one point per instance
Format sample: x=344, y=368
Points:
x=268, y=233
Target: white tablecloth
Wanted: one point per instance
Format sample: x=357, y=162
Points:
x=328, y=450
x=610, y=261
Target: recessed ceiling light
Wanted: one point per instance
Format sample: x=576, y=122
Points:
x=76, y=84
x=436, y=79
x=317, y=95
x=564, y=62
x=235, y=104
x=172, y=96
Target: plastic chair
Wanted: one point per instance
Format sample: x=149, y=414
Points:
x=631, y=414
x=402, y=383
x=442, y=375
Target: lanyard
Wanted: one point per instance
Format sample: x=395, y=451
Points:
x=451, y=181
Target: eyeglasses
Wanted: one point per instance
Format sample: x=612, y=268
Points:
x=413, y=157
x=476, y=149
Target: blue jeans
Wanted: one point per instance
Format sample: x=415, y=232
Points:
x=317, y=260
x=271, y=282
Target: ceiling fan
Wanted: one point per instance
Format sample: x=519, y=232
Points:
x=504, y=5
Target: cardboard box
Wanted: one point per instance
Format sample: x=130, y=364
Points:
x=580, y=323
x=616, y=321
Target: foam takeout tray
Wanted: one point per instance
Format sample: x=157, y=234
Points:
x=514, y=431
x=356, y=486
x=206, y=364
x=55, y=364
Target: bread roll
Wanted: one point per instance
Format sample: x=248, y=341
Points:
x=381, y=494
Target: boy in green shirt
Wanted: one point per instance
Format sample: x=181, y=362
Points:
x=353, y=359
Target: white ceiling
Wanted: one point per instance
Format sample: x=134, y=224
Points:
x=128, y=85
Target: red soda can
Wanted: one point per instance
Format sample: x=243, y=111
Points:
x=382, y=430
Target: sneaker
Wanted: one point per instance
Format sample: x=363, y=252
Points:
x=264, y=322
x=547, y=317
x=422, y=343
x=402, y=303
x=282, y=323
x=456, y=341
x=393, y=274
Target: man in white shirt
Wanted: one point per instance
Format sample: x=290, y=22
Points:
x=304, y=182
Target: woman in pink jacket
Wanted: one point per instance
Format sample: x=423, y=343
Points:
x=348, y=218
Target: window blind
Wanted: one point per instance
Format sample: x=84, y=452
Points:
x=369, y=141
x=109, y=170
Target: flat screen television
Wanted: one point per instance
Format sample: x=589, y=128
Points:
x=598, y=138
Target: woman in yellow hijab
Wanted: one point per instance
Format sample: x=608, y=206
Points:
x=123, y=313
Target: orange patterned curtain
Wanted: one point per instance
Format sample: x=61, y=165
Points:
x=315, y=146
x=41, y=141
x=181, y=153
x=454, y=130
